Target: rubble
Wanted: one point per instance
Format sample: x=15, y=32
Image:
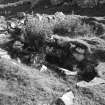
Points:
x=37, y=35
x=36, y=41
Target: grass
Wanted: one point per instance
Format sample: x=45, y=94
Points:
x=25, y=82
x=23, y=85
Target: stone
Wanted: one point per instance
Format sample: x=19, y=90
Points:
x=68, y=72
x=67, y=98
x=101, y=69
x=13, y=25
x=95, y=81
x=60, y=15
x=43, y=68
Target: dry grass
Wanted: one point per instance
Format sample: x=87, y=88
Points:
x=27, y=85
x=23, y=85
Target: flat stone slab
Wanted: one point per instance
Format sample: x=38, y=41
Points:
x=95, y=81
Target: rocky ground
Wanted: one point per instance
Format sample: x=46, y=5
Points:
x=28, y=41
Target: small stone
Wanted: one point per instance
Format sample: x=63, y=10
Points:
x=80, y=50
x=39, y=17
x=101, y=69
x=67, y=72
x=60, y=15
x=43, y=68
x=82, y=84
x=67, y=98
x=6, y=56
x=13, y=25
x=22, y=21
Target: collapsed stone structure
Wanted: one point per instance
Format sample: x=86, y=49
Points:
x=55, y=38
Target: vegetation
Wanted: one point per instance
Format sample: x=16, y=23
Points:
x=29, y=42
